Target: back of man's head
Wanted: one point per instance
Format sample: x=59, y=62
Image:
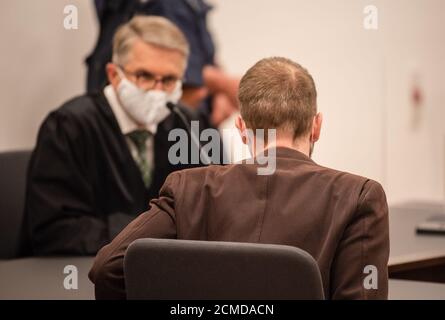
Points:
x=277, y=93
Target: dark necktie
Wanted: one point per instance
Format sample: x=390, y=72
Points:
x=139, y=138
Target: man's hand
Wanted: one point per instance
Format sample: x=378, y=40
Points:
x=217, y=81
x=224, y=90
x=222, y=109
x=193, y=96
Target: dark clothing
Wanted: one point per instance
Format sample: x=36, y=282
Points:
x=339, y=218
x=189, y=15
x=83, y=185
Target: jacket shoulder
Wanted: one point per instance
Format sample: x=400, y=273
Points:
x=349, y=184
x=77, y=107
x=72, y=119
x=343, y=177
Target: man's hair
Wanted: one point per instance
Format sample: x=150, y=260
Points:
x=277, y=93
x=153, y=30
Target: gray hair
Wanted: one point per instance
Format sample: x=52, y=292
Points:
x=153, y=30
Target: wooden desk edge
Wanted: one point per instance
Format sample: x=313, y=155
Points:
x=407, y=263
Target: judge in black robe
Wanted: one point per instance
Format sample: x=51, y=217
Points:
x=83, y=185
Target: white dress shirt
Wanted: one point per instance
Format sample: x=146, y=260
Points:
x=127, y=125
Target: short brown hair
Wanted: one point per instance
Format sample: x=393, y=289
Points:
x=277, y=93
x=154, y=30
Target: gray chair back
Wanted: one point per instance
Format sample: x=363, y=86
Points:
x=161, y=269
x=13, y=171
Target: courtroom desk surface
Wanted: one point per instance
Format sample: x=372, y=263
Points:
x=43, y=278
x=414, y=290
x=407, y=247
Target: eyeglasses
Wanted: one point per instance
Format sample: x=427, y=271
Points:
x=148, y=81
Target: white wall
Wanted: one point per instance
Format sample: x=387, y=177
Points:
x=415, y=147
x=364, y=78
x=41, y=64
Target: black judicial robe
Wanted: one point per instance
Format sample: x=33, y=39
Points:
x=83, y=185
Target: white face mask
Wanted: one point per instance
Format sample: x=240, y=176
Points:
x=147, y=108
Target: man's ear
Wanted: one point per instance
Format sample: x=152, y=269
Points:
x=316, y=127
x=241, y=126
x=113, y=75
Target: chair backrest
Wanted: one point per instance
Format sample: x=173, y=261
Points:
x=209, y=270
x=13, y=169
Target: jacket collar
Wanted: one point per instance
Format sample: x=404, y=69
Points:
x=288, y=153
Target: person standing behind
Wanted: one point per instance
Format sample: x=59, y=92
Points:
x=206, y=86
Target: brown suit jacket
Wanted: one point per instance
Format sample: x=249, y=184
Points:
x=339, y=218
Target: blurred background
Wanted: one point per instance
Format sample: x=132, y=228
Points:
x=381, y=91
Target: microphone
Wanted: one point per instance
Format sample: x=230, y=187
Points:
x=174, y=108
